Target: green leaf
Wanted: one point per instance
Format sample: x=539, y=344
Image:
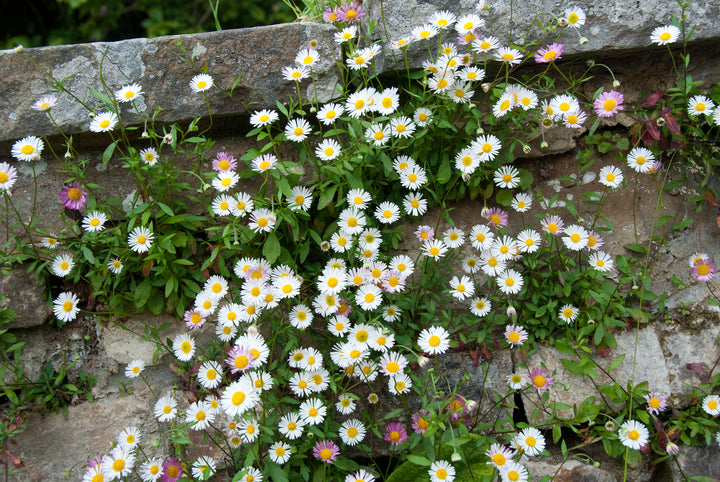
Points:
x=635, y=248
x=271, y=248
x=418, y=460
x=682, y=224
x=504, y=197
x=107, y=154
x=616, y=362
x=445, y=172
x=88, y=254
x=142, y=293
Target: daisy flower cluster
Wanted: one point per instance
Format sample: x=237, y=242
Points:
x=320, y=316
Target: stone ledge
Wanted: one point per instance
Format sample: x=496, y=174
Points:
x=612, y=27
x=258, y=54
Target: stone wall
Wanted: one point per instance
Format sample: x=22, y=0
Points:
x=618, y=35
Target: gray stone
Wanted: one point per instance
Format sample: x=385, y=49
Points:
x=691, y=462
x=611, y=27
x=693, y=341
x=23, y=293
x=574, y=389
x=568, y=471
x=257, y=54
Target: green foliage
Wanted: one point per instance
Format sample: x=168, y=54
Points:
x=78, y=21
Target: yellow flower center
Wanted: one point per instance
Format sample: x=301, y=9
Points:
x=325, y=454
x=422, y=117
x=238, y=398
x=573, y=18
x=609, y=105
x=74, y=194
x=665, y=36
x=118, y=465
x=539, y=381
x=202, y=84
x=505, y=105
x=186, y=346
x=508, y=57
x=634, y=435
x=313, y=412
x=241, y=362
x=379, y=135
x=507, y=178
x=308, y=60
x=498, y=459
x=211, y=374
x=640, y=160
x=441, y=474
x=699, y=106
x=352, y=432
x=434, y=251
x=712, y=404
x=68, y=306
x=392, y=367
x=262, y=222
x=514, y=337
x=298, y=131
x=654, y=403
x=703, y=269
x=442, y=84
x=359, y=104
x=552, y=228
x=350, y=14
x=575, y=237
x=531, y=441
x=394, y=436
x=434, y=341
x=264, y=118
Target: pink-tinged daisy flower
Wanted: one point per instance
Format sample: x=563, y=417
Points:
x=172, y=470
x=331, y=15
x=549, y=53
x=608, y=103
x=193, y=319
x=351, y=12
x=497, y=217
x=704, y=270
x=326, y=451
x=541, y=379
x=73, y=197
x=515, y=335
x=594, y=241
x=499, y=455
x=553, y=225
x=458, y=408
x=425, y=233
x=224, y=162
x=8, y=176
x=656, y=402
x=45, y=103
x=240, y=359
x=421, y=421
x=395, y=433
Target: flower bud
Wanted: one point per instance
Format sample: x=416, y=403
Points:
x=596, y=464
x=583, y=40
x=590, y=62
x=422, y=361
x=168, y=139
x=610, y=426
x=511, y=312
x=145, y=135
x=660, y=121
x=672, y=448
x=485, y=87
x=562, y=22
x=471, y=405
x=252, y=330
x=18, y=49
x=543, y=145
x=527, y=148
x=455, y=457
x=616, y=83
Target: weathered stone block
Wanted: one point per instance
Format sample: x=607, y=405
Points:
x=164, y=70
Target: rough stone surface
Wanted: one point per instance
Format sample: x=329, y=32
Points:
x=569, y=471
x=692, y=461
x=257, y=54
x=573, y=389
x=23, y=293
x=611, y=27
